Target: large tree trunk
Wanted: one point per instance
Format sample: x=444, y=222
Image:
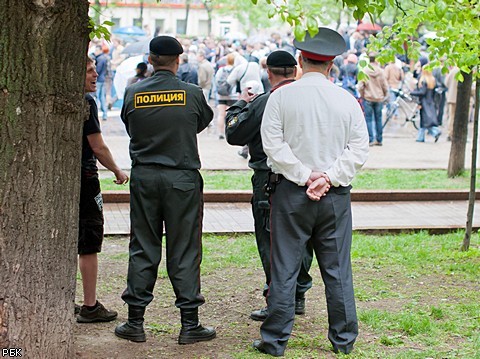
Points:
x=456, y=163
x=43, y=46
x=473, y=174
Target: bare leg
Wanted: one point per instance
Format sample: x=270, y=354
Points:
x=222, y=110
x=89, y=269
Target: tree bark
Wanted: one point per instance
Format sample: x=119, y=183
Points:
x=43, y=44
x=456, y=163
x=473, y=174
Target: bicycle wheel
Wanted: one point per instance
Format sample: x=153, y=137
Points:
x=389, y=114
x=415, y=120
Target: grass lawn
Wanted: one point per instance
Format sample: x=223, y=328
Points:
x=387, y=179
x=416, y=294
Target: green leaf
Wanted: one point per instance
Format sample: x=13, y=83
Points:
x=312, y=24
x=254, y=2
x=271, y=13
x=299, y=33
x=108, y=23
x=440, y=8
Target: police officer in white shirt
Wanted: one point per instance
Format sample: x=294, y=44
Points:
x=315, y=137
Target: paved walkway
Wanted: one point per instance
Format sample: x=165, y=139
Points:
x=367, y=216
x=399, y=151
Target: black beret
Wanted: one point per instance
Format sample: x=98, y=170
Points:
x=326, y=43
x=165, y=45
x=281, y=58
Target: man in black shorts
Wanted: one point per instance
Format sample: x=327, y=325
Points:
x=90, y=236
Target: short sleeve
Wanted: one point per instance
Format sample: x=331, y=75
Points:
x=92, y=125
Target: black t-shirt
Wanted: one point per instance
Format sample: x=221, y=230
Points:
x=91, y=126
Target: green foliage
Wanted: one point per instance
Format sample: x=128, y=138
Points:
x=455, y=22
x=99, y=31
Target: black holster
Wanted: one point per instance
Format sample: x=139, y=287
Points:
x=272, y=181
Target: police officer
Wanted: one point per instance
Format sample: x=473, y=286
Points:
x=243, y=122
x=315, y=137
x=163, y=115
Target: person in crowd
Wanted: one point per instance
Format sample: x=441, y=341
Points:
x=348, y=75
x=102, y=63
x=374, y=91
x=205, y=74
x=452, y=86
x=243, y=128
x=90, y=234
x=428, y=114
x=186, y=72
x=226, y=93
x=166, y=191
x=315, y=147
x=264, y=74
x=395, y=76
x=141, y=74
x=244, y=71
x=440, y=94
x=117, y=58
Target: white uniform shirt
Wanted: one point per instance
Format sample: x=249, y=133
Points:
x=314, y=125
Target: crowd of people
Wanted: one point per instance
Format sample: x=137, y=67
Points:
x=307, y=123
x=206, y=63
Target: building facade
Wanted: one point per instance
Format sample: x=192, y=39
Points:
x=166, y=17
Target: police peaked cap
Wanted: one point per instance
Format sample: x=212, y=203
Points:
x=324, y=46
x=165, y=45
x=281, y=58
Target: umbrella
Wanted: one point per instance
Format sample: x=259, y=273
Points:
x=129, y=30
x=366, y=26
x=137, y=48
x=124, y=71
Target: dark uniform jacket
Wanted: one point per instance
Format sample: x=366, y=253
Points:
x=163, y=115
x=243, y=121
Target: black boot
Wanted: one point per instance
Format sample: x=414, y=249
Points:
x=133, y=328
x=192, y=331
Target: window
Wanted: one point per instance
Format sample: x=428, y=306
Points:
x=181, y=26
x=203, y=27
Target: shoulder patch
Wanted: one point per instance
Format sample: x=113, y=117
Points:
x=160, y=98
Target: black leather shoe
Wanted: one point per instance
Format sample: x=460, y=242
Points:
x=258, y=345
x=192, y=331
x=133, y=328
x=135, y=333
x=259, y=315
x=345, y=350
x=300, y=306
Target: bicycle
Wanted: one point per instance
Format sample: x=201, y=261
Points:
x=407, y=106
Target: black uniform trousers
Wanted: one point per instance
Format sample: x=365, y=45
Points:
x=327, y=224
x=261, y=215
x=172, y=197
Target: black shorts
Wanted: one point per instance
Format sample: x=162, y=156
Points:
x=90, y=234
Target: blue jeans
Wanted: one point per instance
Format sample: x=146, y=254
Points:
x=434, y=131
x=102, y=98
x=373, y=115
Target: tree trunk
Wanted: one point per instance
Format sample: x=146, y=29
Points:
x=473, y=175
x=43, y=45
x=456, y=163
x=209, y=16
x=187, y=13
